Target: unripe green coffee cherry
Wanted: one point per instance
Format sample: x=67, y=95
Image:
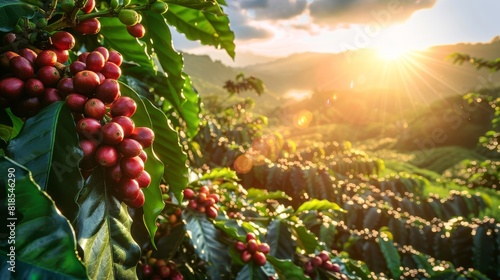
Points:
x=128, y=17
x=17, y=29
x=41, y=23
x=113, y=4
x=33, y=37
x=32, y=25
x=68, y=5
x=104, y=5
x=159, y=7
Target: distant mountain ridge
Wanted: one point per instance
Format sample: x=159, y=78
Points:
x=424, y=75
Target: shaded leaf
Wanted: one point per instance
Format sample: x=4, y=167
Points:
x=205, y=239
x=280, y=240
x=48, y=146
x=45, y=245
x=11, y=11
x=251, y=272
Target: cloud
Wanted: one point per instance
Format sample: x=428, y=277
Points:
x=242, y=24
x=328, y=12
x=274, y=9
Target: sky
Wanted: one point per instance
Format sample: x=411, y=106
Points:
x=276, y=28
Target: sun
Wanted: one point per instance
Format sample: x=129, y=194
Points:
x=391, y=53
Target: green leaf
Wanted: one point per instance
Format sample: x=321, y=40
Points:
x=190, y=110
x=306, y=240
x=259, y=195
x=204, y=237
x=280, y=240
x=159, y=39
x=45, y=245
x=484, y=248
x=10, y=125
x=252, y=272
x=48, y=146
x=220, y=173
x=169, y=150
x=286, y=269
x=390, y=253
x=103, y=231
x=11, y=11
x=319, y=205
x=154, y=203
x=207, y=26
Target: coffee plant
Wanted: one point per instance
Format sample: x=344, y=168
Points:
x=111, y=172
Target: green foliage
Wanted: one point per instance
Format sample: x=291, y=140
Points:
x=42, y=241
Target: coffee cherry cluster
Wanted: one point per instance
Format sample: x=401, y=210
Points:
x=30, y=80
x=203, y=201
x=160, y=269
x=252, y=250
x=108, y=136
x=322, y=260
x=85, y=27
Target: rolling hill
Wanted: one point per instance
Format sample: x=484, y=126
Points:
x=421, y=76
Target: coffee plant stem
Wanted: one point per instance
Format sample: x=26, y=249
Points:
x=52, y=9
x=72, y=20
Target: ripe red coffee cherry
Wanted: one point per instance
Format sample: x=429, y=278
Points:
x=111, y=71
x=76, y=102
x=11, y=88
x=144, y=179
x=240, y=246
x=309, y=268
x=95, y=61
x=132, y=166
x=63, y=40
x=264, y=248
x=128, y=189
x=214, y=196
x=246, y=256
x=9, y=38
x=46, y=58
x=106, y=156
x=143, y=135
x=5, y=58
x=252, y=245
x=324, y=256
x=204, y=189
x=88, y=27
x=89, y=6
x=108, y=91
x=123, y=106
x=250, y=236
x=29, y=54
x=83, y=57
x=328, y=265
x=34, y=87
x=89, y=128
x=192, y=204
x=189, y=194
x=147, y=271
x=94, y=108
x=259, y=258
x=115, y=57
x=316, y=261
x=62, y=55
x=136, y=30
x=21, y=68
x=137, y=202
x=76, y=67
x=129, y=147
x=112, y=133
x=115, y=172
x=49, y=75
x=103, y=51
x=65, y=86
x=27, y=107
x=126, y=123
x=89, y=147
x=86, y=82
x=143, y=156
x=211, y=212
x=50, y=95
